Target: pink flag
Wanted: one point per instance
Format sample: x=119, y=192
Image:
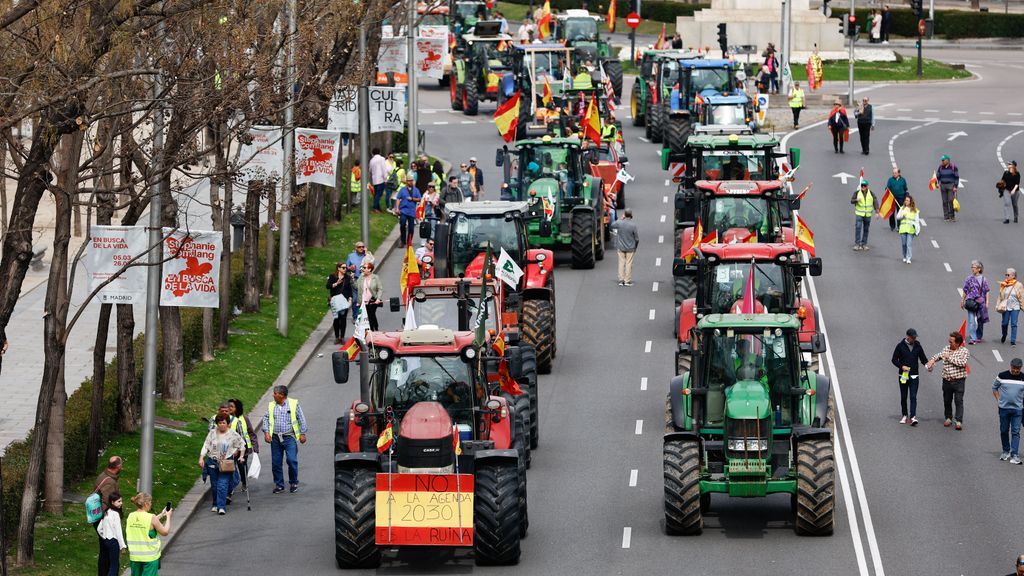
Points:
x=749, y=303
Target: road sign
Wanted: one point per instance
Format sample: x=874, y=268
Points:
x=632, y=20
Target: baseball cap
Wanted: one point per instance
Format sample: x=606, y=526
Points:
x=911, y=332
x=472, y=158
x=864, y=182
x=1013, y=162
x=944, y=157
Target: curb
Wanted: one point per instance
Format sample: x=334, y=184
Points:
x=190, y=502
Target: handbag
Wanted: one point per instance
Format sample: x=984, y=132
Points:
x=339, y=304
x=226, y=466
x=971, y=305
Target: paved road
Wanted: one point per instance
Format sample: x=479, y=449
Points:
x=910, y=501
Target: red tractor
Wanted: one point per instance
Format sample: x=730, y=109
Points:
x=461, y=242
x=721, y=273
x=737, y=211
x=430, y=454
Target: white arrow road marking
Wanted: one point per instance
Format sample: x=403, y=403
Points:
x=961, y=183
x=643, y=383
x=843, y=177
x=627, y=535
x=633, y=473
x=955, y=135
x=995, y=353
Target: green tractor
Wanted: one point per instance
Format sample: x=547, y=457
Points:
x=554, y=176
x=582, y=30
x=656, y=66
x=749, y=419
x=478, y=63
x=532, y=67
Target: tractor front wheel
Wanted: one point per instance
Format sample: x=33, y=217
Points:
x=583, y=250
x=456, y=93
x=355, y=518
x=656, y=123
x=815, y=488
x=614, y=70
x=521, y=408
x=470, y=97
x=682, y=487
x=685, y=288
x=677, y=132
x=539, y=331
x=683, y=362
x=496, y=513
x=634, y=104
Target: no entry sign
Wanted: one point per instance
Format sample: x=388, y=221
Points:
x=632, y=20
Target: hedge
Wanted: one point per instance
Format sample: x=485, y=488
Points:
x=951, y=24
x=657, y=10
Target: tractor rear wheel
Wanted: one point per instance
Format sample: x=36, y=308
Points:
x=521, y=436
x=685, y=288
x=613, y=68
x=583, y=253
x=340, y=433
x=683, y=362
x=529, y=374
x=648, y=117
x=601, y=237
x=677, y=131
x=496, y=513
x=539, y=331
x=456, y=92
x=470, y=97
x=815, y=488
x=682, y=487
x=634, y=104
x=355, y=518
x=656, y=122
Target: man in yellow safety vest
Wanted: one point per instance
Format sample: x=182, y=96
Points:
x=283, y=424
x=864, y=206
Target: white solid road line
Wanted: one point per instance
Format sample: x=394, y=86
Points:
x=995, y=353
x=639, y=429
x=657, y=261
x=999, y=148
x=627, y=535
x=632, y=478
x=647, y=347
x=643, y=383
x=935, y=244
x=947, y=266
x=654, y=287
x=651, y=315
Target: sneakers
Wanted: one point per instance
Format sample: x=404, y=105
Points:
x=222, y=512
x=622, y=283
x=913, y=421
x=903, y=420
x=958, y=425
x=857, y=248
x=1015, y=460
x=865, y=247
x=279, y=489
x=627, y=283
x=1004, y=456
x=947, y=424
x=294, y=488
x=214, y=509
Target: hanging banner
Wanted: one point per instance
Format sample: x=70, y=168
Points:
x=316, y=156
x=191, y=272
x=343, y=115
x=110, y=249
x=263, y=157
x=387, y=109
x=434, y=32
x=393, y=55
x=431, y=54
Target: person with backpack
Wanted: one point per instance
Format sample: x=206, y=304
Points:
x=111, y=535
x=975, y=302
x=107, y=481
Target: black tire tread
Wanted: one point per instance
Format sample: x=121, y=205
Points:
x=815, y=488
x=677, y=131
x=538, y=326
x=583, y=251
x=529, y=363
x=472, y=104
x=355, y=518
x=682, y=487
x=614, y=70
x=496, y=520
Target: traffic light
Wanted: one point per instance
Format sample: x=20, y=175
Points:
x=723, y=42
x=825, y=9
x=851, y=25
x=918, y=8
x=842, y=27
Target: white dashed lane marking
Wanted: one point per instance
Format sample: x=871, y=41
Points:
x=935, y=244
x=663, y=218
x=632, y=478
x=647, y=347
x=651, y=315
x=654, y=287
x=468, y=122
x=995, y=353
x=948, y=267
x=627, y=535
x=657, y=261
x=639, y=430
x=661, y=239
x=440, y=123
x=664, y=199
x=667, y=182
x=643, y=383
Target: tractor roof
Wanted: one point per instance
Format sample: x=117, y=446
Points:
x=552, y=47
x=577, y=13
x=714, y=97
x=474, y=37
x=717, y=63
x=548, y=141
x=675, y=53
x=744, y=252
x=740, y=187
x=432, y=286
x=749, y=321
x=487, y=207
x=427, y=339
x=733, y=141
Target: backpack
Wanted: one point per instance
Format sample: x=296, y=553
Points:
x=94, y=504
x=393, y=178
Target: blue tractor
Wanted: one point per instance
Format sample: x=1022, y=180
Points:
x=732, y=113
x=688, y=79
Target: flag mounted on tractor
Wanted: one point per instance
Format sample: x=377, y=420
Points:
x=592, y=122
x=506, y=118
x=410, y=273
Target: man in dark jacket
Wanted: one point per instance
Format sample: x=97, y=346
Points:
x=948, y=177
x=907, y=356
x=107, y=481
x=627, y=239
x=865, y=124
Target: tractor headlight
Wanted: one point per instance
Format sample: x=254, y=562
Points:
x=383, y=354
x=748, y=445
x=469, y=353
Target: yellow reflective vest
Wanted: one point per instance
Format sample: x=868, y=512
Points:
x=582, y=81
x=141, y=538
x=292, y=411
x=239, y=425
x=796, y=99
x=908, y=220
x=865, y=203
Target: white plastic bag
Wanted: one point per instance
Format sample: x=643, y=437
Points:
x=254, y=466
x=339, y=304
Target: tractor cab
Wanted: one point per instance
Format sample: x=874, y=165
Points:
x=479, y=61
x=733, y=211
x=455, y=304
x=465, y=14
x=582, y=31
x=732, y=111
x=534, y=66
x=655, y=67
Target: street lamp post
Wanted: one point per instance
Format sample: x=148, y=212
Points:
x=410, y=31
x=289, y=174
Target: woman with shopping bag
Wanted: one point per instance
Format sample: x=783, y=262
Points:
x=221, y=451
x=340, y=300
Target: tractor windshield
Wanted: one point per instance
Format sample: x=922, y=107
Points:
x=741, y=219
x=734, y=165
x=669, y=75
x=719, y=79
x=444, y=379
x=495, y=53
x=764, y=357
x=474, y=233
x=729, y=280
x=444, y=312
x=580, y=29
x=728, y=115
x=546, y=169
x=470, y=12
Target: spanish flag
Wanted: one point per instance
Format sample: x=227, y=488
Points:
x=611, y=16
x=410, y=273
x=710, y=238
x=660, y=43
x=963, y=336
x=933, y=184
x=506, y=118
x=698, y=100
x=546, y=98
x=888, y=205
x=544, y=24
x=456, y=441
x=697, y=236
x=591, y=123
x=421, y=209
x=508, y=383
x=499, y=345
x=804, y=236
x=385, y=439
x=351, y=348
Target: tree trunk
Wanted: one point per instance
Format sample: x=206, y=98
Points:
x=296, y=243
x=128, y=386
x=251, y=248
x=3, y=182
x=53, y=493
x=316, y=231
x=173, y=386
x=268, y=272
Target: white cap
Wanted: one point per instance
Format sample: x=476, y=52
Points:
x=472, y=158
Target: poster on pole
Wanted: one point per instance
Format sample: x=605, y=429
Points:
x=191, y=271
x=431, y=54
x=434, y=32
x=316, y=156
x=263, y=157
x=109, y=251
x=393, y=55
x=343, y=115
x=387, y=109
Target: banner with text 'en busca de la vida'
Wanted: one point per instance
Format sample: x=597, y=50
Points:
x=191, y=269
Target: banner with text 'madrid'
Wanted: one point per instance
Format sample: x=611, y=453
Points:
x=316, y=156
x=110, y=250
x=191, y=271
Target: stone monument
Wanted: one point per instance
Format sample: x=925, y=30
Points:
x=759, y=22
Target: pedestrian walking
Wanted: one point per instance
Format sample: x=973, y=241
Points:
x=897, y=185
x=107, y=481
x=839, y=126
x=1009, y=191
x=218, y=458
x=432, y=207
x=378, y=167
x=355, y=177
x=865, y=124
x=396, y=177
x=627, y=238
x=907, y=357
x=909, y=218
x=370, y=293
x=771, y=67
x=865, y=205
x=339, y=299
x=948, y=177
x=677, y=41
x=975, y=302
x=453, y=193
x=240, y=423
x=476, y=180
x=796, y=103
x=1011, y=295
x=886, y=24
x=954, y=359
x=283, y=425
x=111, y=534
x=1008, y=390
x=408, y=200
x=355, y=259
x=142, y=535
x=526, y=31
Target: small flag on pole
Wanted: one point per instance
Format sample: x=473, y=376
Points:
x=352, y=348
x=804, y=236
x=933, y=184
x=506, y=118
x=888, y=204
x=698, y=234
x=385, y=439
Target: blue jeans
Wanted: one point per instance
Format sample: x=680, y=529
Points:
x=909, y=389
x=974, y=329
x=861, y=226
x=110, y=557
x=1009, y=429
x=378, y=191
x=407, y=225
x=220, y=482
x=907, y=241
x=284, y=447
x=1010, y=318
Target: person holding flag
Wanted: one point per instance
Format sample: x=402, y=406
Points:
x=865, y=205
x=954, y=359
x=910, y=226
x=897, y=186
